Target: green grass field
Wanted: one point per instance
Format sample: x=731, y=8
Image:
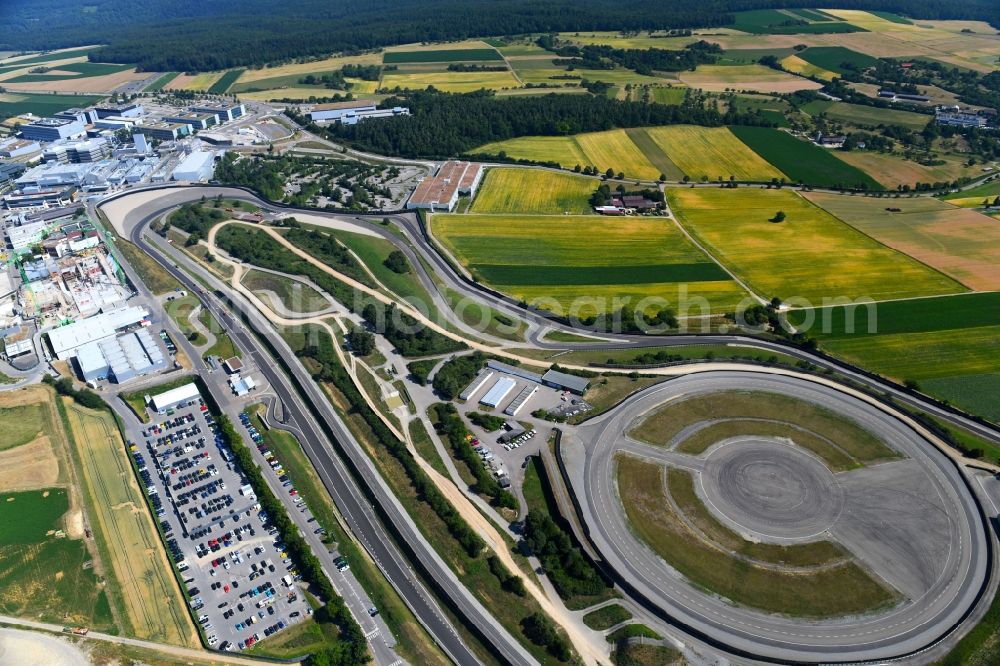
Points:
x=857, y=114
x=161, y=83
x=775, y=22
x=292, y=294
x=960, y=243
x=554, y=259
x=713, y=152
x=804, y=593
x=450, y=81
x=15, y=104
x=606, y=617
x=833, y=58
x=811, y=255
x=41, y=576
x=224, y=83
x=975, y=195
x=442, y=55
x=50, y=57
x=533, y=191
x=802, y=160
x=22, y=424
x=78, y=70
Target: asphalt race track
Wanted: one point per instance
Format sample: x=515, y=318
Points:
x=911, y=521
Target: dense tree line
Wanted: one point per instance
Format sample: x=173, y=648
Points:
x=643, y=61
x=196, y=218
x=84, y=397
x=450, y=124
x=351, y=647
x=330, y=370
x=185, y=35
x=456, y=374
x=409, y=336
x=449, y=425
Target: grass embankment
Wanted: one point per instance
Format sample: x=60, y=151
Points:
x=829, y=592
x=292, y=295
x=840, y=442
x=180, y=310
x=607, y=617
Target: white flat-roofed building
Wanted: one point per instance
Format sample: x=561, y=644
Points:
x=337, y=110
x=18, y=147
x=66, y=340
x=225, y=110
x=127, y=110
x=441, y=191
x=498, y=392
x=52, y=129
x=197, y=166
x=477, y=383
x=23, y=237
x=174, y=397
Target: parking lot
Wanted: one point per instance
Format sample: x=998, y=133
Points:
x=243, y=587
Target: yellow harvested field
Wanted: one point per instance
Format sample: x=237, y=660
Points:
x=303, y=68
x=746, y=77
x=808, y=258
x=195, y=82
x=450, y=81
x=89, y=84
x=960, y=243
x=711, y=151
x=282, y=93
x=151, y=600
x=362, y=87
x=797, y=65
x=561, y=149
x=533, y=191
x=441, y=46
x=614, y=149
x=893, y=170
x=38, y=462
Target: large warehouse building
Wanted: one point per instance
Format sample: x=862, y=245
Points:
x=441, y=192
x=121, y=359
x=170, y=399
x=67, y=340
x=52, y=129
x=196, y=167
x=337, y=110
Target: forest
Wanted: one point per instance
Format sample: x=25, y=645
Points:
x=442, y=125
x=200, y=35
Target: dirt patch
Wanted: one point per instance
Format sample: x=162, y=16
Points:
x=18, y=648
x=32, y=465
x=74, y=524
x=90, y=84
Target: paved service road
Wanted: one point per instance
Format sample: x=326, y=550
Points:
x=912, y=521
x=339, y=480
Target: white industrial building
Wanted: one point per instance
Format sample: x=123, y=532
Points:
x=197, y=166
x=67, y=340
x=20, y=238
x=337, y=110
x=52, y=129
x=226, y=111
x=14, y=147
x=498, y=392
x=170, y=399
x=121, y=359
x=441, y=191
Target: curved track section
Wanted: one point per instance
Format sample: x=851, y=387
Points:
x=912, y=522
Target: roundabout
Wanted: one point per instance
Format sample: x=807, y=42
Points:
x=815, y=528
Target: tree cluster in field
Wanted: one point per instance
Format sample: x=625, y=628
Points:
x=450, y=426
x=349, y=184
x=443, y=124
x=488, y=422
x=602, y=195
x=456, y=374
x=361, y=341
x=540, y=631
x=508, y=581
x=466, y=67
x=337, y=80
x=397, y=263
x=196, y=218
x=570, y=572
x=421, y=370
x=641, y=61
x=329, y=369
x=83, y=397
x=351, y=647
x=408, y=336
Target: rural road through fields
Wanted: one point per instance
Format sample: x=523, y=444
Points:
x=340, y=482
x=172, y=650
x=956, y=550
